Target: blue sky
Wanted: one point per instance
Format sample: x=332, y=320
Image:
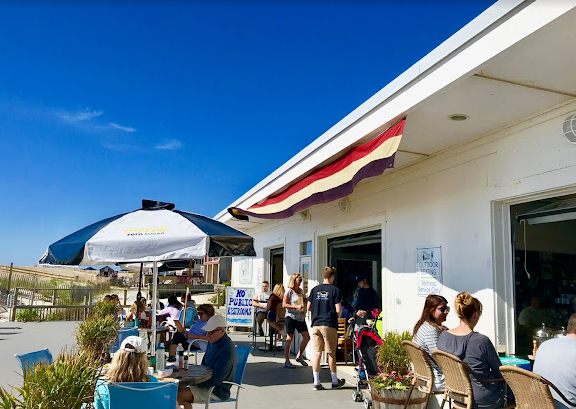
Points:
x=102, y=105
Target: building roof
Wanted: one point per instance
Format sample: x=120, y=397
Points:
x=504, y=66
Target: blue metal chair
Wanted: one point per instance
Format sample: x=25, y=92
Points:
x=200, y=343
x=123, y=333
x=33, y=358
x=143, y=395
x=242, y=354
x=191, y=316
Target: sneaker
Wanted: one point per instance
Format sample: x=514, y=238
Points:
x=171, y=358
x=260, y=332
x=319, y=387
x=289, y=365
x=302, y=361
x=341, y=383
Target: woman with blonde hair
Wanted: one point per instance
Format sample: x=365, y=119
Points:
x=129, y=365
x=428, y=329
x=294, y=301
x=274, y=301
x=476, y=350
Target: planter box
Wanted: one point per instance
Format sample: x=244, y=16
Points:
x=396, y=399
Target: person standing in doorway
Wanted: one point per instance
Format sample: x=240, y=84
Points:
x=325, y=304
x=259, y=302
x=294, y=302
x=365, y=301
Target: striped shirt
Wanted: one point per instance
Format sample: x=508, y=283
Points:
x=427, y=337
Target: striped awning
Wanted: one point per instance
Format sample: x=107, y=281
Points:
x=330, y=182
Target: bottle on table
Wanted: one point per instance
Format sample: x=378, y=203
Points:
x=186, y=362
x=534, y=347
x=180, y=356
x=160, y=356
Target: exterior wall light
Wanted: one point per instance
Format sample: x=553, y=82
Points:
x=458, y=117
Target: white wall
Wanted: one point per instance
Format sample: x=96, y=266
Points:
x=443, y=201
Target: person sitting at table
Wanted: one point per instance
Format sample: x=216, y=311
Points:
x=556, y=361
x=274, y=301
x=121, y=311
x=172, y=311
x=129, y=365
x=188, y=302
x=220, y=357
x=428, y=329
x=205, y=312
x=259, y=302
x=145, y=317
x=476, y=350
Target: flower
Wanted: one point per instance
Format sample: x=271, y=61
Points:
x=392, y=381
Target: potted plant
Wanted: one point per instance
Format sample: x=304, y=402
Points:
x=96, y=334
x=389, y=390
x=68, y=382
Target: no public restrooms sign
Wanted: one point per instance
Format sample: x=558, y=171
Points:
x=239, y=309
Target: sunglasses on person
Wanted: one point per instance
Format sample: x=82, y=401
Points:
x=213, y=331
x=201, y=313
x=444, y=309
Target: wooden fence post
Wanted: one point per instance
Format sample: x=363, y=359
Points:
x=125, y=296
x=10, y=276
x=14, y=303
x=54, y=296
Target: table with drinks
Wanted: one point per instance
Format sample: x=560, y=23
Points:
x=194, y=375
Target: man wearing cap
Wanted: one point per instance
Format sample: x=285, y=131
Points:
x=220, y=356
x=365, y=301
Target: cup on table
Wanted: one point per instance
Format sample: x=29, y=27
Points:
x=150, y=370
x=501, y=350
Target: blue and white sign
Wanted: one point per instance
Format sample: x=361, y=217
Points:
x=429, y=268
x=239, y=309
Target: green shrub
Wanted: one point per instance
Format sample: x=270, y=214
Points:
x=28, y=315
x=94, y=335
x=104, y=308
x=68, y=382
x=392, y=357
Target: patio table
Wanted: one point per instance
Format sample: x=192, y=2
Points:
x=519, y=362
x=194, y=375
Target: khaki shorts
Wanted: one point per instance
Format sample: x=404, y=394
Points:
x=325, y=338
x=201, y=394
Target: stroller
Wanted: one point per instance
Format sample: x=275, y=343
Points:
x=365, y=343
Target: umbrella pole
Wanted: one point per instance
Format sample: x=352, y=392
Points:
x=154, y=302
x=139, y=297
x=187, y=292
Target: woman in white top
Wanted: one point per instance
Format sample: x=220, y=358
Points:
x=294, y=301
x=428, y=328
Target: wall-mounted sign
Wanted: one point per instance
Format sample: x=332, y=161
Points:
x=429, y=270
x=239, y=309
x=245, y=276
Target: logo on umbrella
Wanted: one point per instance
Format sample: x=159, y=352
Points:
x=145, y=231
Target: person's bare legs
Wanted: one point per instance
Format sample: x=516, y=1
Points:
x=331, y=362
x=305, y=340
x=185, y=398
x=289, y=338
x=316, y=361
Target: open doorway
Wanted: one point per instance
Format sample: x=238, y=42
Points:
x=544, y=251
x=276, y=266
x=356, y=255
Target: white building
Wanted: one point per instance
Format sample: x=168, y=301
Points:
x=456, y=184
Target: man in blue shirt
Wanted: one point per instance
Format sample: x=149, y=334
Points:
x=220, y=356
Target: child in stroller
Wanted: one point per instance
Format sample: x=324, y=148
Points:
x=365, y=341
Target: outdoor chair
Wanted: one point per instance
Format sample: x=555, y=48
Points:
x=143, y=395
x=200, y=343
x=242, y=354
x=344, y=342
x=457, y=376
x=30, y=359
x=423, y=378
x=531, y=390
x=191, y=316
x=123, y=333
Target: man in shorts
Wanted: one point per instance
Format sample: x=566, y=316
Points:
x=325, y=304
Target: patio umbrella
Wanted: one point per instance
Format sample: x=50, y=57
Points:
x=155, y=233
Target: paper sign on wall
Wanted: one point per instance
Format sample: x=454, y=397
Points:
x=239, y=309
x=429, y=266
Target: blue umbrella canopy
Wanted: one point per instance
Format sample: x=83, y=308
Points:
x=156, y=232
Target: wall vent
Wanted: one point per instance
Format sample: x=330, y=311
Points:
x=344, y=205
x=569, y=128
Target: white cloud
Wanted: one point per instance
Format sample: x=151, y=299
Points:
x=79, y=116
x=122, y=128
x=172, y=144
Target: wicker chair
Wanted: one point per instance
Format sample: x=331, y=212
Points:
x=423, y=375
x=458, y=386
x=531, y=390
